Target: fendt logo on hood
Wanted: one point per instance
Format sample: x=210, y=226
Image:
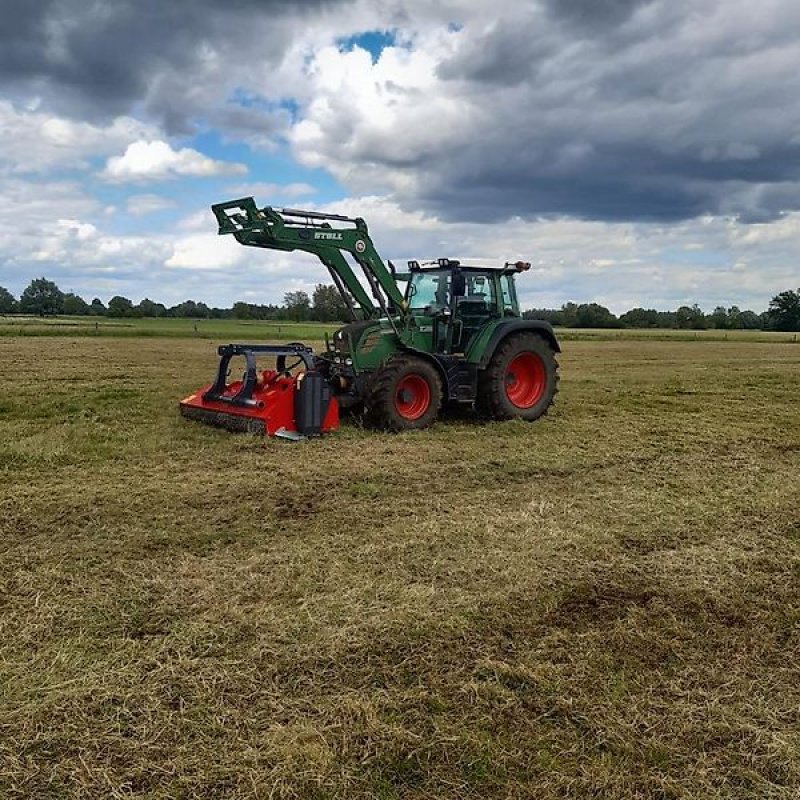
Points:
x=337, y=237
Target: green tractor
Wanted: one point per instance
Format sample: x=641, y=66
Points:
x=453, y=336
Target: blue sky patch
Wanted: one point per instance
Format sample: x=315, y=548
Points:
x=374, y=42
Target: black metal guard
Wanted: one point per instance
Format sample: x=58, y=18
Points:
x=298, y=212
x=244, y=397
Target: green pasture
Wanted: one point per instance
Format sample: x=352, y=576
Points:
x=260, y=330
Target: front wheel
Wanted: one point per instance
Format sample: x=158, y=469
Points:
x=406, y=394
x=521, y=379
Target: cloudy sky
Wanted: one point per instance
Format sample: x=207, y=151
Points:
x=637, y=152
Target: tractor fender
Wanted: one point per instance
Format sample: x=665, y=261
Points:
x=504, y=329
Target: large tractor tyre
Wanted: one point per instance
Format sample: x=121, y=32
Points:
x=521, y=379
x=404, y=395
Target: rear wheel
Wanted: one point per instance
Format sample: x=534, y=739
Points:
x=406, y=394
x=520, y=380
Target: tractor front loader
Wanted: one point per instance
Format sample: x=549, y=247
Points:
x=453, y=336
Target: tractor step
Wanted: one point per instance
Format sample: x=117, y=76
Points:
x=275, y=402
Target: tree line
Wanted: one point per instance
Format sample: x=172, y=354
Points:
x=783, y=314
x=42, y=297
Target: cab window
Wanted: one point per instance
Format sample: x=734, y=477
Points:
x=509, y=294
x=480, y=287
x=429, y=288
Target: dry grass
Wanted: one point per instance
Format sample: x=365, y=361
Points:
x=604, y=604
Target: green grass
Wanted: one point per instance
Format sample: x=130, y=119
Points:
x=602, y=604
x=217, y=329
x=259, y=330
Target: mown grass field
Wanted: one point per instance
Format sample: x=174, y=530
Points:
x=603, y=604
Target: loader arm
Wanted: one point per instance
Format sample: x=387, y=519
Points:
x=312, y=232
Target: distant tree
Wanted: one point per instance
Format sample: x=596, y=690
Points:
x=42, y=297
x=742, y=320
x=298, y=305
x=667, y=319
x=148, y=308
x=120, y=307
x=328, y=305
x=241, y=310
x=268, y=311
x=74, y=305
x=734, y=312
x=784, y=311
x=719, y=319
x=97, y=308
x=190, y=309
x=691, y=318
x=551, y=315
x=640, y=318
x=748, y=321
x=593, y=315
x=569, y=315
x=8, y=303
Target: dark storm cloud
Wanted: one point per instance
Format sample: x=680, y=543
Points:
x=624, y=110
x=22, y=35
x=611, y=182
x=96, y=60
x=510, y=53
x=594, y=13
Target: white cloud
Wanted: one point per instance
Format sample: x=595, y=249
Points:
x=141, y=204
x=265, y=192
x=621, y=265
x=57, y=230
x=618, y=264
x=156, y=160
x=33, y=141
x=200, y=251
x=395, y=111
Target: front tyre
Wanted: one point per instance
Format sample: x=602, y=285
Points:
x=406, y=394
x=521, y=379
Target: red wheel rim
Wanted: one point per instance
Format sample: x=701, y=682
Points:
x=412, y=397
x=526, y=379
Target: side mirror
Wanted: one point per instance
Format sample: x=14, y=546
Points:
x=459, y=285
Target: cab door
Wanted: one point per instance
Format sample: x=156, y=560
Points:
x=474, y=308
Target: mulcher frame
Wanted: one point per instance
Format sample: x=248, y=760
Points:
x=219, y=391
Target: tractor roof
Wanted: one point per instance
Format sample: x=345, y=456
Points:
x=449, y=263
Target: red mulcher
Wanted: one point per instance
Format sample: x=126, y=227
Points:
x=274, y=402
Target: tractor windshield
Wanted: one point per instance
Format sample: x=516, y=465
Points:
x=429, y=288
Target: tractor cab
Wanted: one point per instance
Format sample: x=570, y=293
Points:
x=461, y=300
